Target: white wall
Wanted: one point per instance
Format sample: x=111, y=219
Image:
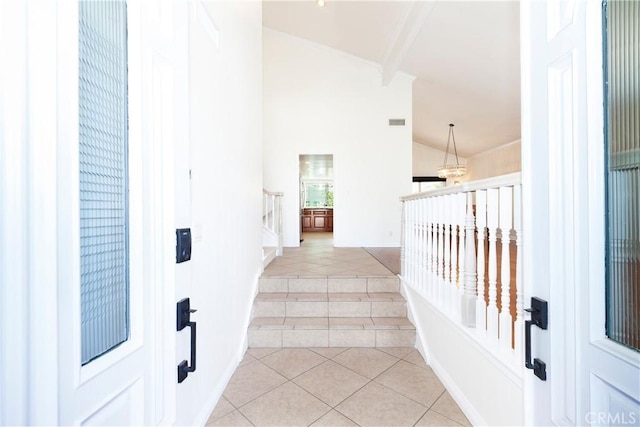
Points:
x=226, y=194
x=486, y=392
x=501, y=160
x=427, y=160
x=498, y=161
x=321, y=101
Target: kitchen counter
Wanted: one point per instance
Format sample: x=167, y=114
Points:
x=317, y=219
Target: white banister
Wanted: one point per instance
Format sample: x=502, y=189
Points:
x=518, y=323
x=445, y=236
x=459, y=252
x=272, y=220
x=447, y=206
x=470, y=283
x=481, y=224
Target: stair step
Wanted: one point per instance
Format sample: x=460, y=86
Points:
x=331, y=332
x=330, y=305
x=329, y=284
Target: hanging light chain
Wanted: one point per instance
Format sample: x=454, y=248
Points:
x=448, y=171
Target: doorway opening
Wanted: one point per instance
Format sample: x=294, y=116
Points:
x=316, y=199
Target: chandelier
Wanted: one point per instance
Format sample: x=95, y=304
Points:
x=453, y=170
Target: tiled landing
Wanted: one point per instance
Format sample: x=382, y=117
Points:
x=326, y=261
x=335, y=387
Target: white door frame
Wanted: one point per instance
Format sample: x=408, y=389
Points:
x=28, y=271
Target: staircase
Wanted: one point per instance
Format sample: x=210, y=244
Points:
x=271, y=226
x=330, y=312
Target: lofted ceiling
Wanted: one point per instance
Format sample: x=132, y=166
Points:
x=464, y=54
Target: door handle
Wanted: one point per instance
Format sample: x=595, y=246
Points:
x=184, y=311
x=539, y=317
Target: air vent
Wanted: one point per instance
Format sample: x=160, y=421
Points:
x=396, y=122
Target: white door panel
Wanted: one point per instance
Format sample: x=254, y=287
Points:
x=589, y=377
x=109, y=388
x=121, y=410
x=40, y=359
x=135, y=383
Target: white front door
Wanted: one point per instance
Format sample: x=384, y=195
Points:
x=590, y=379
x=102, y=367
x=135, y=382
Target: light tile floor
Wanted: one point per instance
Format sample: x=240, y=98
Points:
x=335, y=387
x=317, y=257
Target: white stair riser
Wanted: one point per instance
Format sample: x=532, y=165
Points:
x=330, y=309
x=263, y=338
x=331, y=284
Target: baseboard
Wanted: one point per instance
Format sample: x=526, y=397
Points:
x=269, y=254
x=465, y=405
x=456, y=393
x=421, y=343
x=211, y=403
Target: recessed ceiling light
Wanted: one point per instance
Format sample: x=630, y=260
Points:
x=320, y=3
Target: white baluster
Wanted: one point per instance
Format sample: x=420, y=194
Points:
x=280, y=250
x=462, y=203
x=421, y=204
x=446, y=219
x=440, y=265
x=481, y=223
x=406, y=249
x=505, y=224
x=415, y=247
x=403, y=239
x=418, y=248
x=457, y=257
x=411, y=243
x=468, y=308
x=434, y=249
x=424, y=262
x=271, y=213
x=518, y=324
x=434, y=245
x=429, y=252
x=265, y=209
x=492, y=223
x=418, y=245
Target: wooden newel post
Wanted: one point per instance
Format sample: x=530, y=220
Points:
x=468, y=308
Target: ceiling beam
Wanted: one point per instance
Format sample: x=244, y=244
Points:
x=406, y=34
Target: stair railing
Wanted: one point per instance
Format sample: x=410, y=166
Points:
x=462, y=251
x=272, y=220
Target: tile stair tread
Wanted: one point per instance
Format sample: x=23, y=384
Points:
x=310, y=277
x=333, y=297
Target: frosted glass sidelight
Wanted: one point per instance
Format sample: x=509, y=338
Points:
x=103, y=145
x=622, y=84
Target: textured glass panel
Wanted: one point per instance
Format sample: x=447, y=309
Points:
x=623, y=171
x=103, y=176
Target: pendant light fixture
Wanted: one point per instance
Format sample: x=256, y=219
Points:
x=451, y=170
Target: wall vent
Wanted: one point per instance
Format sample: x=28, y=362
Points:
x=396, y=122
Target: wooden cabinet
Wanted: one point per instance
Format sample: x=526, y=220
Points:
x=306, y=222
x=317, y=220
